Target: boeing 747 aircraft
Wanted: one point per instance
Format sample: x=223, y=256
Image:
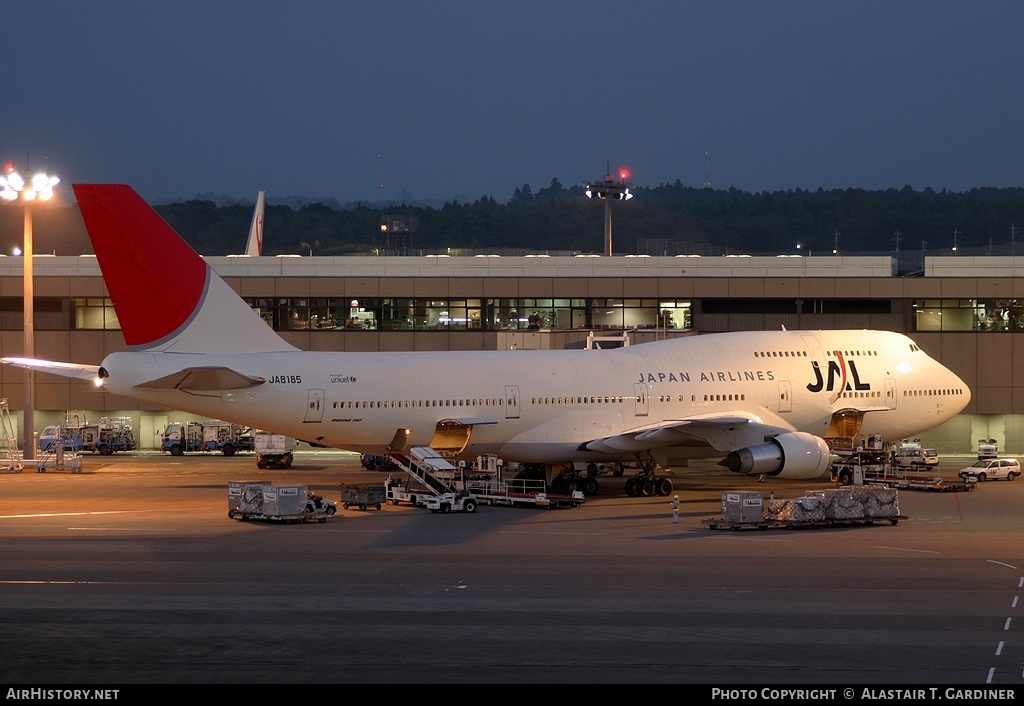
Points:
x=764, y=402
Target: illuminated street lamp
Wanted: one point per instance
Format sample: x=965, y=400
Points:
x=609, y=190
x=38, y=188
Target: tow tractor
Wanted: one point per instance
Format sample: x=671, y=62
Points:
x=452, y=502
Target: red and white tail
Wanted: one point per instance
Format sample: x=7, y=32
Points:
x=167, y=298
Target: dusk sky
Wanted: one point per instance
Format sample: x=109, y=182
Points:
x=459, y=99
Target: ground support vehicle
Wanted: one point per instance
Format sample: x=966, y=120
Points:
x=432, y=476
x=372, y=462
x=107, y=437
x=190, y=437
x=835, y=507
x=987, y=448
x=273, y=450
x=362, y=496
x=876, y=468
x=262, y=500
x=452, y=502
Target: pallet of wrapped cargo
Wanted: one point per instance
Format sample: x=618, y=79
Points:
x=262, y=500
x=834, y=507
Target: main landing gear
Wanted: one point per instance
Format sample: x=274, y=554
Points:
x=645, y=483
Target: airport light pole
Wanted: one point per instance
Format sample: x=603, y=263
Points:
x=608, y=189
x=38, y=187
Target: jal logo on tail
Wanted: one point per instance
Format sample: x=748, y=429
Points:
x=840, y=374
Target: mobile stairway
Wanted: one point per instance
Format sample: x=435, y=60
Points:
x=434, y=476
x=63, y=453
x=11, y=461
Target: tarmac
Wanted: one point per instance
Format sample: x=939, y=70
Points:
x=132, y=573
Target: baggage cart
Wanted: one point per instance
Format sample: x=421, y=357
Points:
x=362, y=496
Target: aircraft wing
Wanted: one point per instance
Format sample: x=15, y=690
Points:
x=723, y=432
x=208, y=378
x=67, y=370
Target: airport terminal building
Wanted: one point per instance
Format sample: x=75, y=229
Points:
x=967, y=312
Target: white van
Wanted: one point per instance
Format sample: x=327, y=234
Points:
x=916, y=458
x=992, y=469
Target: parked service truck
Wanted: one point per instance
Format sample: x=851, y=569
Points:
x=273, y=450
x=189, y=437
x=105, y=438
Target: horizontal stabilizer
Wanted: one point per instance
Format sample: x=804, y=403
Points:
x=67, y=370
x=204, y=378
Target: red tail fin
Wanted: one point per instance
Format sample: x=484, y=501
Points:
x=135, y=247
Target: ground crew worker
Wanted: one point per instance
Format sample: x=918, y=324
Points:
x=675, y=510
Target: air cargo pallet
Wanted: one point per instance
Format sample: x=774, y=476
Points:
x=936, y=484
x=722, y=523
x=303, y=517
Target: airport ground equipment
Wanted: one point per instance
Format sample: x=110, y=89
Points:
x=273, y=450
x=431, y=476
x=452, y=502
x=875, y=467
x=834, y=507
x=372, y=462
x=108, y=436
x=206, y=437
x=262, y=500
x=11, y=461
x=362, y=496
x=987, y=448
x=56, y=458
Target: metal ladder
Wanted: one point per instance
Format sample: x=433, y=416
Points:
x=10, y=456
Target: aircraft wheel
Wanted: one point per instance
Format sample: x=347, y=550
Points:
x=647, y=489
x=631, y=487
x=664, y=487
x=590, y=486
x=619, y=470
x=591, y=469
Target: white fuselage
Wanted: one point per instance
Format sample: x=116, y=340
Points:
x=540, y=406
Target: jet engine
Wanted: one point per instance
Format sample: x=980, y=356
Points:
x=790, y=455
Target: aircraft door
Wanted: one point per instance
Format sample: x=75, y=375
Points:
x=890, y=393
x=511, y=401
x=785, y=396
x=643, y=404
x=315, y=407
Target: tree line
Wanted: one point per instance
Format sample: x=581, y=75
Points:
x=669, y=219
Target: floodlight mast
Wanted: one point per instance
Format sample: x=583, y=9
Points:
x=37, y=187
x=608, y=189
